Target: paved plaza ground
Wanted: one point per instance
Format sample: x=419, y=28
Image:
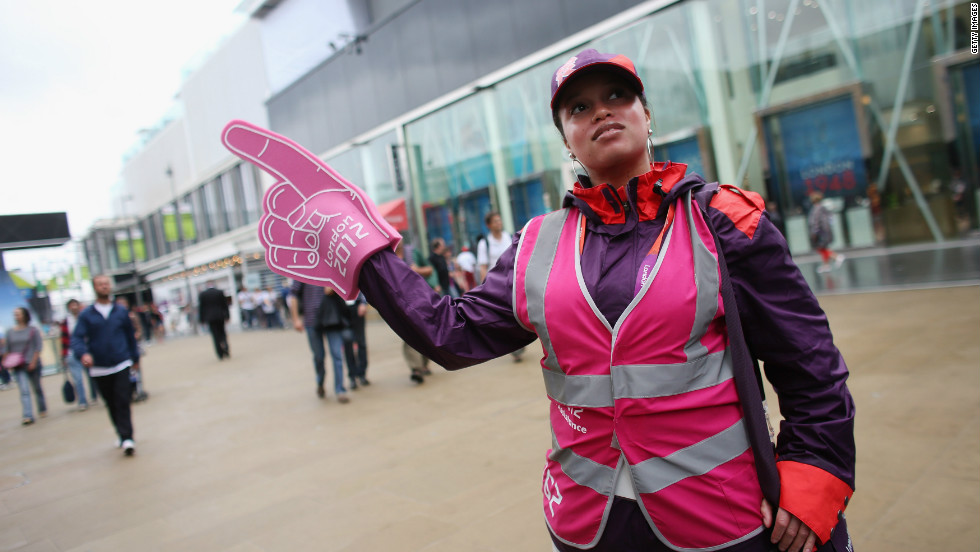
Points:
x=241, y=456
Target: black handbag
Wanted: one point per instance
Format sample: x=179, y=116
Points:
x=333, y=313
x=68, y=390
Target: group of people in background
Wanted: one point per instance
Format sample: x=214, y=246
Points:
x=455, y=275
x=262, y=308
x=99, y=348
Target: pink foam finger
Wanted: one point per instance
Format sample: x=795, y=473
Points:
x=276, y=232
x=283, y=198
x=290, y=162
x=345, y=243
x=292, y=260
x=276, y=155
x=317, y=228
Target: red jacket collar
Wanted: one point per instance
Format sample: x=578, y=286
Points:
x=644, y=193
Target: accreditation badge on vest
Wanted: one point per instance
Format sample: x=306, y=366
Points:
x=653, y=394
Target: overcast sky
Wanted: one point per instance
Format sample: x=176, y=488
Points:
x=77, y=82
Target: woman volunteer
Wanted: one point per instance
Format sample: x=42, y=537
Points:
x=639, y=289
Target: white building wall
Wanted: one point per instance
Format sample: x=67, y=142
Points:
x=296, y=36
x=145, y=185
x=230, y=85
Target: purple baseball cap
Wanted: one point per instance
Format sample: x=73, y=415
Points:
x=590, y=58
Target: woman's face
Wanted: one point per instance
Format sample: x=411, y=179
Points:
x=605, y=123
x=19, y=317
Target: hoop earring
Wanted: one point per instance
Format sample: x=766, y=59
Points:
x=650, y=144
x=576, y=172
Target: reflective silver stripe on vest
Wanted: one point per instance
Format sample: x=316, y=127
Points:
x=522, y=242
x=655, y=474
x=644, y=381
x=706, y=282
x=594, y=391
x=537, y=275
x=579, y=231
x=639, y=381
x=583, y=471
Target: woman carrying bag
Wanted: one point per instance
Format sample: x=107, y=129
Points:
x=22, y=356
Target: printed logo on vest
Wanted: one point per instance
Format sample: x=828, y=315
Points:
x=553, y=497
x=577, y=412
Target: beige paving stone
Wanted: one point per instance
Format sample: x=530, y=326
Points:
x=151, y=535
x=410, y=533
x=240, y=455
x=11, y=537
x=244, y=526
x=911, y=521
x=246, y=547
x=39, y=546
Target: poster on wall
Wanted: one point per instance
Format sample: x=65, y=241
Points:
x=11, y=297
x=820, y=150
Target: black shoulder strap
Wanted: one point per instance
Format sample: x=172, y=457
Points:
x=748, y=381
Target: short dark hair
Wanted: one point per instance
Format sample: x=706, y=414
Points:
x=70, y=302
x=489, y=216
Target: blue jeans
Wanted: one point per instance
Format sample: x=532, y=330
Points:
x=356, y=362
x=77, y=377
x=335, y=340
x=248, y=318
x=25, y=381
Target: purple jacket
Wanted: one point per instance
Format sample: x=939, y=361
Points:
x=784, y=326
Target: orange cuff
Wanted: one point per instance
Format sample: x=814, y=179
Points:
x=813, y=495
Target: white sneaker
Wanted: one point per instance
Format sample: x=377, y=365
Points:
x=839, y=261
x=129, y=447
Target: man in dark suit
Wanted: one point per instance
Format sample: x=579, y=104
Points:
x=213, y=311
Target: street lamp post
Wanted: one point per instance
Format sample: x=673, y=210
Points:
x=132, y=248
x=180, y=246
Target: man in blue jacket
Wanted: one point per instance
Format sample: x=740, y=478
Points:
x=104, y=341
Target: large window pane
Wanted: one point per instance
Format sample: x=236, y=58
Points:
x=229, y=210
x=452, y=151
x=214, y=209
x=251, y=193
x=187, y=225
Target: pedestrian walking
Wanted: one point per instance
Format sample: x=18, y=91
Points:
x=437, y=260
x=466, y=261
x=820, y=225
x=324, y=318
x=104, y=341
x=355, y=344
x=22, y=356
x=246, y=302
x=418, y=364
x=213, y=311
x=68, y=360
x=137, y=392
x=489, y=249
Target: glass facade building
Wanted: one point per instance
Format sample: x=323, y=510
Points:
x=874, y=103
x=871, y=102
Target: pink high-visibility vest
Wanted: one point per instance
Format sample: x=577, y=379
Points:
x=653, y=395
